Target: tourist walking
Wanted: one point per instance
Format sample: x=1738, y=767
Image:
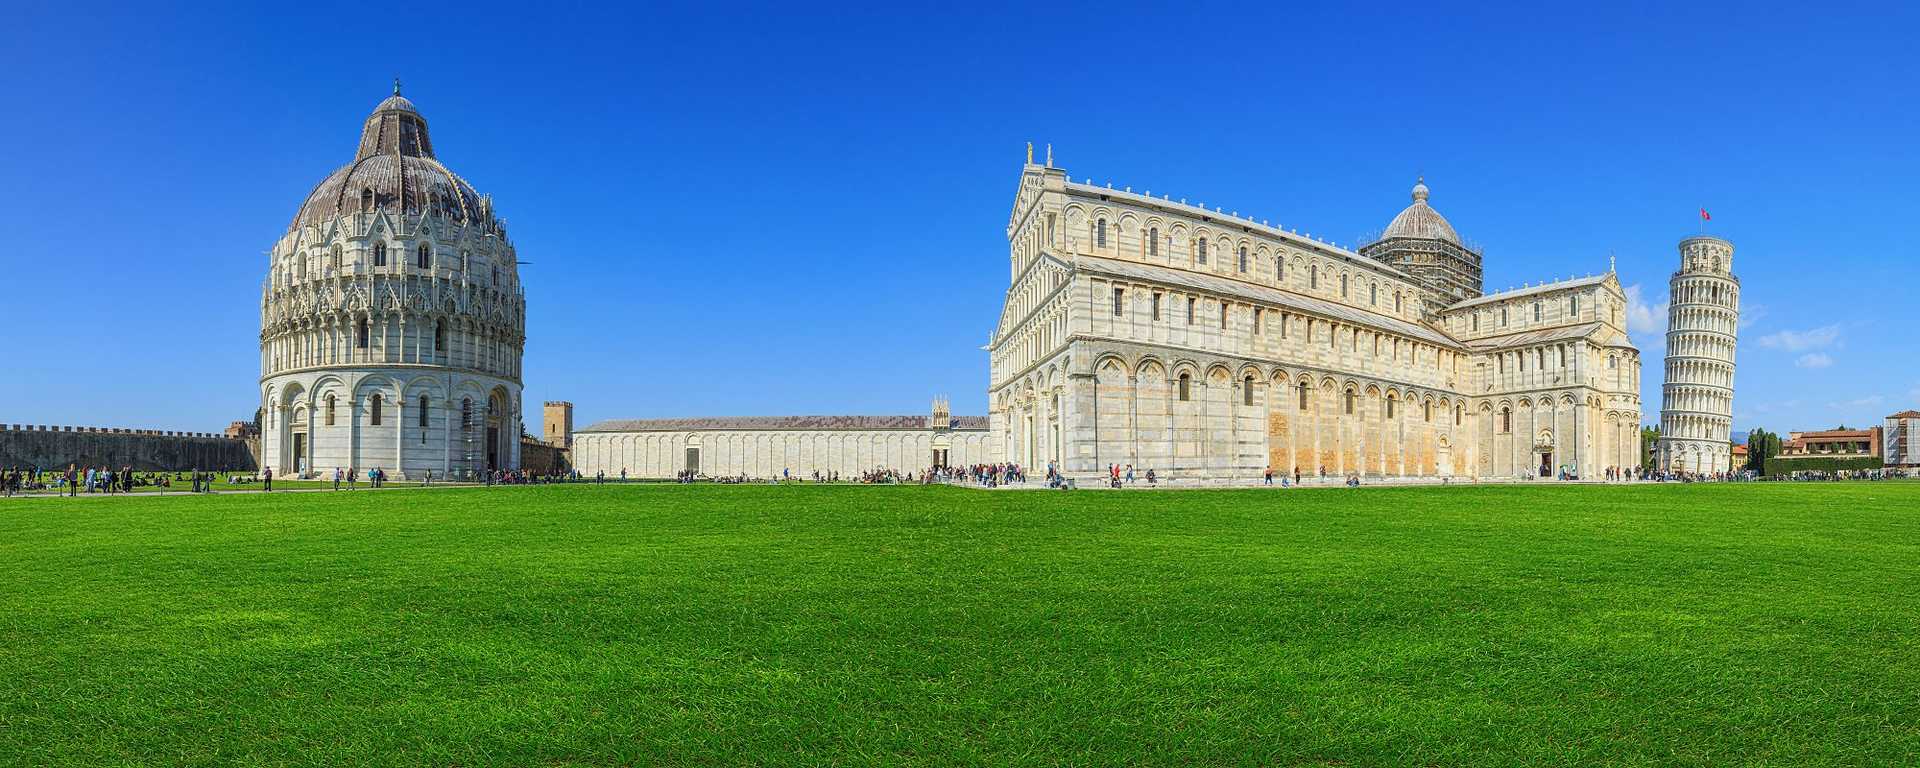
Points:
x=267, y=476
x=337, y=477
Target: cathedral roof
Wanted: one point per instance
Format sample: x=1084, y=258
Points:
x=1225, y=286
x=1516, y=293
x=1530, y=338
x=395, y=170
x=1420, y=220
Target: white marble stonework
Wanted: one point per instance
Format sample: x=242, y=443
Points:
x=1207, y=346
x=1703, y=322
x=392, y=320
x=770, y=446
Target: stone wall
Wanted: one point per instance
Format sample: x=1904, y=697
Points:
x=146, y=450
x=536, y=456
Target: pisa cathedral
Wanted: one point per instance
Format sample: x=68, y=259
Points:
x=1210, y=347
x=391, y=319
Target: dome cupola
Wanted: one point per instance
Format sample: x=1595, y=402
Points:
x=395, y=171
x=1420, y=220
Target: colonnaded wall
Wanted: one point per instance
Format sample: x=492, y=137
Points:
x=145, y=450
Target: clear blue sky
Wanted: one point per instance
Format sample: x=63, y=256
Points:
x=766, y=210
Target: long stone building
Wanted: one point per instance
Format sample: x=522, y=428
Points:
x=771, y=446
x=1209, y=347
x=392, y=320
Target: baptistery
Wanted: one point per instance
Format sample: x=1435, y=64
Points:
x=392, y=321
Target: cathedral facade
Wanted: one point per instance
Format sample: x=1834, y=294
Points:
x=392, y=320
x=1209, y=347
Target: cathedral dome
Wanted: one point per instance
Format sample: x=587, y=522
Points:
x=1421, y=220
x=395, y=170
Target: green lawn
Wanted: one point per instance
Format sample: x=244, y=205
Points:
x=1766, y=624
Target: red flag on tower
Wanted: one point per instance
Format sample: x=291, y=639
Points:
x=1704, y=216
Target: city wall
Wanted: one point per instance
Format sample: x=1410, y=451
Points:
x=145, y=450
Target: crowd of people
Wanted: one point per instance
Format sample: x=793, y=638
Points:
x=76, y=480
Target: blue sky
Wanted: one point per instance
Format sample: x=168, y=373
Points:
x=771, y=209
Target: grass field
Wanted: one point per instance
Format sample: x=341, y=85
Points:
x=672, y=625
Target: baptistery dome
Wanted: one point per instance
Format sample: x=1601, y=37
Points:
x=392, y=322
x=395, y=170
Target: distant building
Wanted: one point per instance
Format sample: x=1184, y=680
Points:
x=1737, y=456
x=556, y=423
x=1832, y=444
x=1901, y=439
x=767, y=446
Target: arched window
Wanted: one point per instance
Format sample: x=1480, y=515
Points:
x=1391, y=402
x=379, y=254
x=330, y=409
x=1304, y=389
x=373, y=410
x=1373, y=295
x=1426, y=411
x=1574, y=305
x=366, y=199
x=1396, y=301
x=1476, y=321
x=1100, y=233
x=423, y=412
x=1349, y=402
x=334, y=259
x=1201, y=253
x=440, y=336
x=1186, y=387
x=1503, y=317
x=1506, y=421
x=1243, y=258
x=1536, y=311
x=1313, y=276
x=1343, y=286
x=1458, y=414
x=360, y=333
x=496, y=277
x=424, y=257
x=1246, y=391
x=1153, y=242
x=1280, y=268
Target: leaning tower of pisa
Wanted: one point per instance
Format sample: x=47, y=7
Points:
x=1696, y=409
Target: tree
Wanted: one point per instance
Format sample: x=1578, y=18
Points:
x=1649, y=437
x=1761, y=447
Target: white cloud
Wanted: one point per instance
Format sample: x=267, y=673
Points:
x=1800, y=341
x=1750, y=314
x=1870, y=401
x=1813, y=360
x=1643, y=316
